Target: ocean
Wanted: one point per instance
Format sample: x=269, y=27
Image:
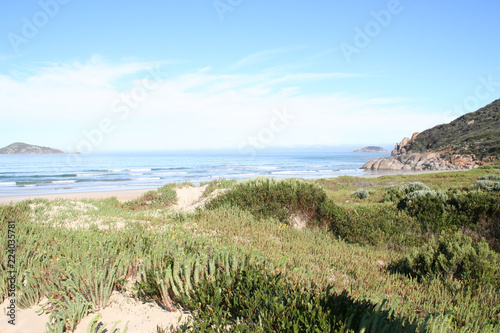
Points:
x=42, y=174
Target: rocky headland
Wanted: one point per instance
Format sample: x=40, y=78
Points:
x=20, y=148
x=466, y=143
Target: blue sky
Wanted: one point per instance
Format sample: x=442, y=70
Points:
x=168, y=75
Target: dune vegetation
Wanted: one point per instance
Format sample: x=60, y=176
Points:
x=403, y=253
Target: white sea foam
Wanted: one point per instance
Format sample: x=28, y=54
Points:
x=88, y=174
x=291, y=172
x=152, y=178
x=144, y=169
x=8, y=184
x=136, y=173
x=235, y=175
x=266, y=168
x=63, y=181
x=170, y=173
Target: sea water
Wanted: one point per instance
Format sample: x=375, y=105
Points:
x=40, y=174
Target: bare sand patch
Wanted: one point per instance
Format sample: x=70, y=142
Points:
x=136, y=315
x=27, y=320
x=191, y=197
x=188, y=196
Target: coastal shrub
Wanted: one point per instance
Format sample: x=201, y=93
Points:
x=412, y=187
x=471, y=207
x=487, y=185
x=360, y=193
x=163, y=197
x=494, y=166
x=395, y=193
x=392, y=194
x=330, y=211
x=489, y=177
x=269, y=197
x=217, y=185
x=455, y=257
x=412, y=196
x=429, y=210
x=256, y=299
x=438, y=211
x=369, y=224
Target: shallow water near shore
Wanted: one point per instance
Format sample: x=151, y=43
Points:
x=50, y=174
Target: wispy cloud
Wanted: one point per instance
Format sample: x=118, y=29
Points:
x=311, y=76
x=261, y=56
x=323, y=53
x=198, y=109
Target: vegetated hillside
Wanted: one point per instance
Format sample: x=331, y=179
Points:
x=24, y=148
x=475, y=133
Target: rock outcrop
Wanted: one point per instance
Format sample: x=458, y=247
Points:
x=424, y=161
x=403, y=159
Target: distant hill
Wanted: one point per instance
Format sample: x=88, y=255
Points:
x=371, y=149
x=20, y=148
x=475, y=133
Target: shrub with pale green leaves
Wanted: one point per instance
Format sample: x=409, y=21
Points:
x=360, y=193
x=395, y=194
x=412, y=187
x=489, y=177
x=487, y=185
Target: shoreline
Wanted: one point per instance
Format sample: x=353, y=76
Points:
x=121, y=195
x=126, y=195
x=382, y=173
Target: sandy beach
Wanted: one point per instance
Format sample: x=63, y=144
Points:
x=125, y=195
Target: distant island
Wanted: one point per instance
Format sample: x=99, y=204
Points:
x=371, y=149
x=21, y=148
